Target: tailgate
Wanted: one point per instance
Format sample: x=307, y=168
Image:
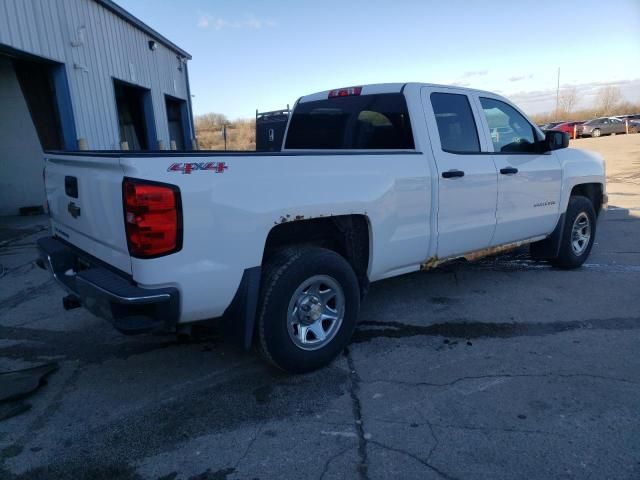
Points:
x=85, y=203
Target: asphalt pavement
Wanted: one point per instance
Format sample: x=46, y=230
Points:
x=500, y=369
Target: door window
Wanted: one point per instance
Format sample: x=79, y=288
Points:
x=456, y=126
x=510, y=131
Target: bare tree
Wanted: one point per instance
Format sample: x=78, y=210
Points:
x=567, y=101
x=210, y=121
x=607, y=100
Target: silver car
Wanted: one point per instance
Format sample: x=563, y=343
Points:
x=601, y=126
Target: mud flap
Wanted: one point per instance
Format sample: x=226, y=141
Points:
x=549, y=248
x=240, y=317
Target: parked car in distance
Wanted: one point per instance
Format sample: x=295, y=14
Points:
x=602, y=126
x=568, y=127
x=635, y=116
x=551, y=125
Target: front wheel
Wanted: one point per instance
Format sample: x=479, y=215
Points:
x=310, y=301
x=596, y=132
x=578, y=235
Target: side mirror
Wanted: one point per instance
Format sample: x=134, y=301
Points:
x=555, y=140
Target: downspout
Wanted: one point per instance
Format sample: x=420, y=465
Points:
x=189, y=106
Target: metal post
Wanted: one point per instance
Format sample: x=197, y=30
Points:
x=558, y=96
x=224, y=135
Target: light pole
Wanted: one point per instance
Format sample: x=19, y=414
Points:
x=558, y=96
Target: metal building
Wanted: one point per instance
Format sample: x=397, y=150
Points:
x=83, y=74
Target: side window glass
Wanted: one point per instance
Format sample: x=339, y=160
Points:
x=456, y=125
x=510, y=131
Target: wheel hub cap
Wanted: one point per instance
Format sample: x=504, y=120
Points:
x=580, y=233
x=309, y=309
x=315, y=312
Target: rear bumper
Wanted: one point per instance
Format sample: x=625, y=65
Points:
x=107, y=293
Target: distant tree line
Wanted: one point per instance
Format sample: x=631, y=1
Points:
x=609, y=102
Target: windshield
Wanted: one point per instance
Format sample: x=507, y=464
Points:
x=594, y=121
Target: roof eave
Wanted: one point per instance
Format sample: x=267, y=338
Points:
x=122, y=13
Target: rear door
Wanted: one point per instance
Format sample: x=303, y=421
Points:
x=85, y=203
x=467, y=177
x=529, y=182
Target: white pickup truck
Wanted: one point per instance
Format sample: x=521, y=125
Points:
x=372, y=182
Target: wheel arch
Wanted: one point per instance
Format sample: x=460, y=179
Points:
x=348, y=235
x=550, y=246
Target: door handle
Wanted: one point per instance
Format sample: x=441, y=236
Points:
x=508, y=171
x=452, y=174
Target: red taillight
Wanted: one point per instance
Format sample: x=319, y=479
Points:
x=345, y=92
x=152, y=218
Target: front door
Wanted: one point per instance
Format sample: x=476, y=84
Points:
x=529, y=182
x=467, y=177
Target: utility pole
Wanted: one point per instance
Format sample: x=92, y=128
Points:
x=558, y=96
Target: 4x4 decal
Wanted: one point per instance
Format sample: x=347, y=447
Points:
x=187, y=168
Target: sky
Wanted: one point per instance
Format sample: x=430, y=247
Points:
x=250, y=54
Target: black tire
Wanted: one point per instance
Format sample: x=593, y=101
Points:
x=567, y=257
x=283, y=274
x=596, y=133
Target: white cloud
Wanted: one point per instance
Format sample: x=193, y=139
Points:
x=206, y=20
x=475, y=73
x=518, y=78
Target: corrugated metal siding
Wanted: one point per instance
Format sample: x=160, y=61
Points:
x=96, y=46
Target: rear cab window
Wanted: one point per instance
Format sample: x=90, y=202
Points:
x=358, y=122
x=456, y=125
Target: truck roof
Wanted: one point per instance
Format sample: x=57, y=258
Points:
x=377, y=88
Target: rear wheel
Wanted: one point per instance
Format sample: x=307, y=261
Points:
x=310, y=302
x=579, y=233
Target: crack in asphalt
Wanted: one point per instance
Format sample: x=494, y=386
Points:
x=472, y=329
x=501, y=430
x=426, y=463
x=249, y=446
x=331, y=459
x=356, y=406
x=504, y=375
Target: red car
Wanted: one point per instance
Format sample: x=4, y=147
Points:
x=568, y=127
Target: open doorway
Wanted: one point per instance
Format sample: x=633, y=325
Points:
x=135, y=116
x=177, y=115
x=35, y=115
x=36, y=83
